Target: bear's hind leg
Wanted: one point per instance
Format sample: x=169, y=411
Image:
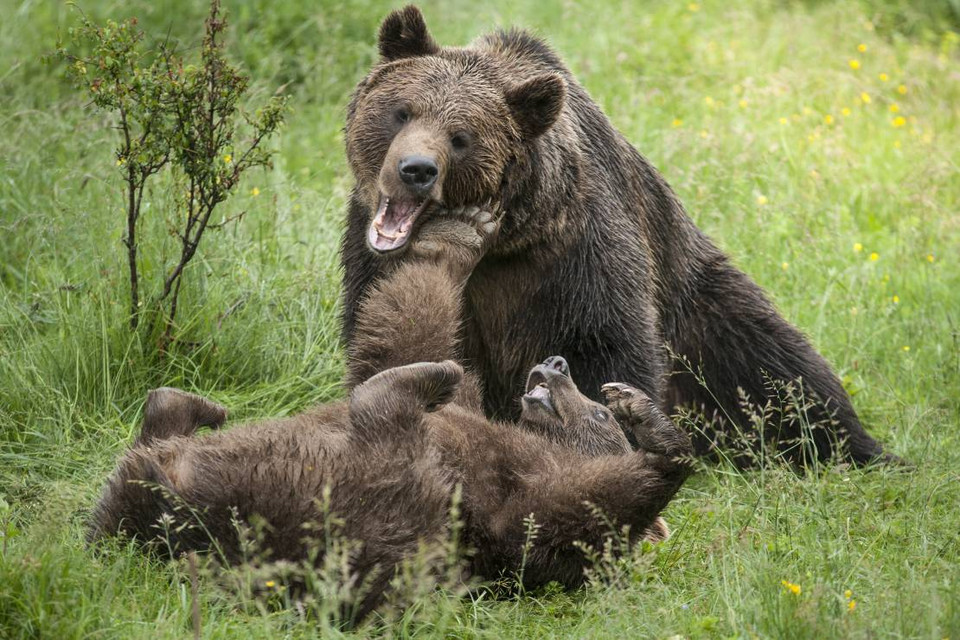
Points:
x=732, y=337
x=171, y=412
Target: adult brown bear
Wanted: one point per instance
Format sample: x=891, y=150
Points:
x=596, y=259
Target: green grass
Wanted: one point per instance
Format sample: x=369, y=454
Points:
x=701, y=89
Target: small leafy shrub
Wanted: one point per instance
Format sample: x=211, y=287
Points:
x=171, y=115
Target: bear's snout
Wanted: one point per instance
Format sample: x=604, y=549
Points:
x=557, y=363
x=552, y=368
x=418, y=172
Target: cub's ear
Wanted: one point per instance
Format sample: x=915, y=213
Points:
x=536, y=104
x=404, y=34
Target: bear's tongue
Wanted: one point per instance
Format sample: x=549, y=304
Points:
x=391, y=226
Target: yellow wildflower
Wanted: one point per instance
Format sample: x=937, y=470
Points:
x=899, y=121
x=865, y=97
x=791, y=587
x=693, y=7
x=270, y=584
x=894, y=108
x=228, y=158
x=742, y=103
x=845, y=111
x=848, y=594
x=120, y=161
x=853, y=603
x=762, y=200
x=857, y=247
x=883, y=77
x=895, y=299
x=785, y=266
x=783, y=121
x=709, y=101
x=930, y=257
x=703, y=134
x=862, y=48
x=902, y=89
x=854, y=311
x=874, y=256
x=906, y=347
x=828, y=119
x=854, y=64
x=677, y=122
x=255, y=192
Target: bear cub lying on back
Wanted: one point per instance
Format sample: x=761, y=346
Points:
x=392, y=455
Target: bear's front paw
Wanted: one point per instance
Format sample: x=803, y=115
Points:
x=484, y=222
x=653, y=431
x=429, y=385
x=628, y=404
x=457, y=238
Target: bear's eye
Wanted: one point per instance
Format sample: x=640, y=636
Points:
x=402, y=115
x=460, y=141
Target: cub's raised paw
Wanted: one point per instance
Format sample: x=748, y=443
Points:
x=434, y=383
x=457, y=238
x=426, y=386
x=640, y=416
x=624, y=401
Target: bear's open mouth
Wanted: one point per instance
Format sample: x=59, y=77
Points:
x=540, y=395
x=391, y=226
x=537, y=392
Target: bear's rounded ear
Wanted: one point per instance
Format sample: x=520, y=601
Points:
x=536, y=104
x=404, y=34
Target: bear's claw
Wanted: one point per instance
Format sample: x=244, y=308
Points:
x=626, y=402
x=613, y=391
x=479, y=217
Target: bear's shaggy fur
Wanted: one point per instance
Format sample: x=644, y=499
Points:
x=392, y=454
x=596, y=258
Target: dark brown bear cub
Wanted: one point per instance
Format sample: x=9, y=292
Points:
x=596, y=258
x=391, y=456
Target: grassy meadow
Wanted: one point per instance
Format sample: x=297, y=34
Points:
x=817, y=142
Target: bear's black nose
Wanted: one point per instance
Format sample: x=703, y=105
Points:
x=418, y=172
